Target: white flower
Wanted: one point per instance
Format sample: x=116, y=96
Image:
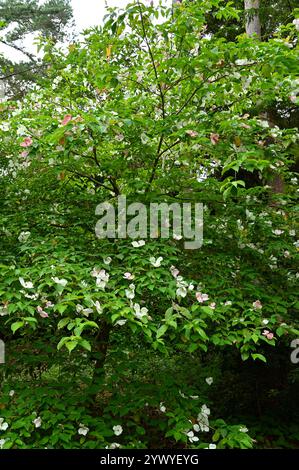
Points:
x=212, y=305
x=203, y=419
x=174, y=271
x=30, y=296
x=84, y=311
x=140, y=312
x=209, y=380
x=101, y=277
x=205, y=410
x=181, y=291
x=203, y=422
x=2, y=442
x=227, y=303
x=11, y=393
x=139, y=76
x=144, y=138
x=129, y=276
x=83, y=430
x=37, y=422
x=3, y=311
x=99, y=274
x=162, y=408
x=61, y=282
x=191, y=287
x=243, y=429
x=107, y=260
x=117, y=430
x=242, y=62
x=211, y=446
x=265, y=321
x=23, y=237
x=3, y=425
x=114, y=445
x=277, y=232
x=5, y=126
x=100, y=283
x=26, y=285
x=138, y=244
x=130, y=293
x=121, y=322
x=98, y=307
x=156, y=262
x=201, y=297
x=257, y=305
x=292, y=233
x=296, y=23
x=119, y=137
x=250, y=215
x=191, y=437
x=177, y=237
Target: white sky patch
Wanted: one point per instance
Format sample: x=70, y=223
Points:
x=89, y=13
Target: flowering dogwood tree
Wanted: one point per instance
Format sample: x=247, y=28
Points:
x=151, y=107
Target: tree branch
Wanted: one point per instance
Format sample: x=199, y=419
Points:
x=19, y=49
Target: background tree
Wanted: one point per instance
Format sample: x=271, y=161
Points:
x=50, y=20
x=253, y=24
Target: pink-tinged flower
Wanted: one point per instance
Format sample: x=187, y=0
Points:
x=174, y=271
x=192, y=133
x=214, y=138
x=201, y=297
x=42, y=313
x=24, y=154
x=26, y=142
x=245, y=126
x=268, y=334
x=67, y=118
x=257, y=304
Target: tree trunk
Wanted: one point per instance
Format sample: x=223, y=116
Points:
x=100, y=349
x=253, y=24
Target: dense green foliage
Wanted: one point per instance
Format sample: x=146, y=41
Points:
x=106, y=346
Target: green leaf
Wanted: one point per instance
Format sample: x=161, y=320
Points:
x=63, y=323
x=161, y=331
x=71, y=345
x=259, y=356
x=85, y=344
x=16, y=326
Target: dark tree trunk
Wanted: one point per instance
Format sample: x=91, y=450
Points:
x=100, y=352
